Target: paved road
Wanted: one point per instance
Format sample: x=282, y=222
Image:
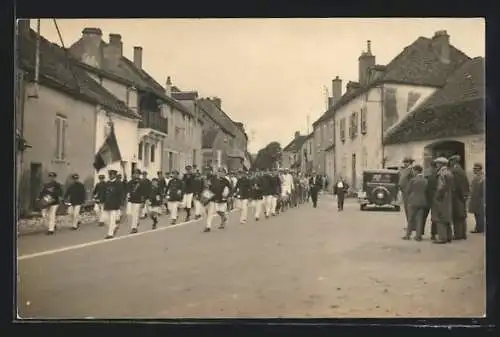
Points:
x=305, y=262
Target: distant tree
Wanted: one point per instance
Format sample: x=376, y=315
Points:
x=268, y=157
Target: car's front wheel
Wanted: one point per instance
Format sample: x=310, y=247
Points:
x=362, y=207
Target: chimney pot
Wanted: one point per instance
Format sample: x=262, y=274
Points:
x=115, y=38
x=369, y=47
x=366, y=60
x=441, y=43
x=336, y=90
x=168, y=87
x=92, y=31
x=138, y=57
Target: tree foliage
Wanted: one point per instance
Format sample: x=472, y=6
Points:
x=268, y=157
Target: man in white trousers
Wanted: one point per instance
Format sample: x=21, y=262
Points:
x=221, y=188
x=287, y=186
x=242, y=194
x=198, y=190
x=257, y=194
x=189, y=183
x=136, y=193
x=50, y=197
x=147, y=190
x=276, y=190
x=113, y=199
x=98, y=196
x=175, y=195
x=75, y=197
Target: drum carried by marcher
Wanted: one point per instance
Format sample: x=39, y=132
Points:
x=45, y=201
x=206, y=196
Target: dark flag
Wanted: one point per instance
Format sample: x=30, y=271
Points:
x=108, y=153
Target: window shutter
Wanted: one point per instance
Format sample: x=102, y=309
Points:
x=63, y=138
x=153, y=148
x=58, y=138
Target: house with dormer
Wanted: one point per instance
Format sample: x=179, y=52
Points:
x=381, y=98
x=163, y=134
x=292, y=156
x=59, y=105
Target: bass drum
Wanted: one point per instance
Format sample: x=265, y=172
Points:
x=381, y=196
x=206, y=196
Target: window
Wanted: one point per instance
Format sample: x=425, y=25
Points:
x=353, y=125
x=152, y=156
x=342, y=130
x=363, y=121
x=146, y=154
x=61, y=128
x=139, y=151
x=331, y=130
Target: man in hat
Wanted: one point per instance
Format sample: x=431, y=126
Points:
x=162, y=186
x=276, y=191
x=405, y=175
x=221, y=188
x=430, y=192
x=257, y=194
x=417, y=201
x=340, y=190
x=175, y=195
x=147, y=191
x=197, y=195
x=137, y=192
x=460, y=195
x=113, y=197
x=476, y=202
x=189, y=189
x=242, y=193
x=315, y=184
x=99, y=195
x=155, y=201
x=49, y=200
x=75, y=197
x=441, y=211
x=287, y=187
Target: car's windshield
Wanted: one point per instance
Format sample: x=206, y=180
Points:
x=376, y=177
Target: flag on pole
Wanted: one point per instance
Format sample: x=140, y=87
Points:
x=109, y=151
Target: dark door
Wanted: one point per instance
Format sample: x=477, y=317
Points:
x=353, y=171
x=36, y=181
x=133, y=167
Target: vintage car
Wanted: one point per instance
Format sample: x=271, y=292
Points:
x=380, y=189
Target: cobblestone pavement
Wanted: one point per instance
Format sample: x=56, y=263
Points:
x=304, y=263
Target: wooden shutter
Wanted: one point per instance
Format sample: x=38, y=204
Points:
x=58, y=138
x=63, y=138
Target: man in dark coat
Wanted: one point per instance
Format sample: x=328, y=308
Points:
x=315, y=185
x=441, y=211
x=155, y=201
x=405, y=175
x=137, y=191
x=112, y=202
x=460, y=196
x=417, y=201
x=147, y=190
x=257, y=194
x=340, y=189
x=198, y=186
x=430, y=192
x=49, y=199
x=98, y=195
x=268, y=191
x=75, y=197
x=476, y=202
x=188, y=180
x=243, y=193
x=221, y=190
x=175, y=195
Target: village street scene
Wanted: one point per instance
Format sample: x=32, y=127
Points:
x=243, y=168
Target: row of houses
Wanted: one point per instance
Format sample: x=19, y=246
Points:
x=428, y=101
x=67, y=100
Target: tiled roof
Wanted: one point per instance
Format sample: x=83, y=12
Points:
x=220, y=118
x=418, y=64
x=208, y=138
x=127, y=72
x=60, y=71
x=295, y=144
x=184, y=95
x=455, y=110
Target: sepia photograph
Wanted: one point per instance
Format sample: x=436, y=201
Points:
x=250, y=168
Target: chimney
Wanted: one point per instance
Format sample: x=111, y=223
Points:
x=297, y=134
x=216, y=101
x=138, y=57
x=92, y=52
x=336, y=89
x=23, y=26
x=114, y=50
x=331, y=102
x=351, y=86
x=168, y=87
x=441, y=43
x=366, y=60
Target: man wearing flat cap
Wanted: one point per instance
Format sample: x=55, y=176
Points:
x=460, y=195
x=476, y=203
x=175, y=196
x=441, y=210
x=98, y=196
x=220, y=187
x=113, y=202
x=189, y=182
x=75, y=197
x=49, y=200
x=405, y=175
x=147, y=186
x=137, y=192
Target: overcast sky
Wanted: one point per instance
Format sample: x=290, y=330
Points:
x=269, y=73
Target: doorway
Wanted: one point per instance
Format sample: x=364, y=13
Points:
x=445, y=149
x=353, y=171
x=36, y=182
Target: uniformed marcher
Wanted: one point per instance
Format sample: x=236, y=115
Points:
x=430, y=193
x=75, y=197
x=441, y=211
x=175, y=195
x=162, y=185
x=417, y=201
x=137, y=192
x=198, y=190
x=315, y=185
x=276, y=191
x=189, y=189
x=112, y=202
x=268, y=191
x=243, y=193
x=405, y=175
x=476, y=202
x=49, y=199
x=340, y=189
x=221, y=189
x=257, y=194
x=98, y=196
x=147, y=190
x=460, y=196
x=155, y=201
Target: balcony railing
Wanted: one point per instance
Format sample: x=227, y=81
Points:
x=153, y=120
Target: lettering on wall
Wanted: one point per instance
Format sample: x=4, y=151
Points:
x=391, y=114
x=412, y=99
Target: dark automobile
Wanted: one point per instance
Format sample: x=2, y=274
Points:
x=380, y=189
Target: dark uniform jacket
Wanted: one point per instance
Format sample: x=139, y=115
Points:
x=76, y=194
x=198, y=186
x=189, y=183
x=162, y=186
x=54, y=189
x=147, y=185
x=318, y=184
x=217, y=186
x=100, y=191
x=156, y=196
x=113, y=195
x=267, y=185
x=275, y=182
x=137, y=191
x=175, y=190
x=416, y=191
x=244, y=188
x=257, y=192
